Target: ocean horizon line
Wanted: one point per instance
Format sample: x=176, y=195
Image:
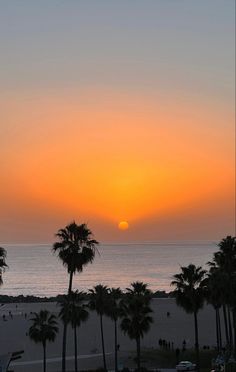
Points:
x=112, y=243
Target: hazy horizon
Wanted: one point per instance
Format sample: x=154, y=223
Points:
x=138, y=242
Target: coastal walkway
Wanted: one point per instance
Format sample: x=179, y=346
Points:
x=29, y=365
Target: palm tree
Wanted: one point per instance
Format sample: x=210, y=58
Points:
x=44, y=329
x=3, y=264
x=114, y=312
x=76, y=248
x=217, y=266
x=136, y=319
x=214, y=285
x=227, y=254
x=140, y=289
x=224, y=261
x=233, y=305
x=73, y=311
x=99, y=303
x=189, y=294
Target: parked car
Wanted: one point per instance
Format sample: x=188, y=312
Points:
x=185, y=366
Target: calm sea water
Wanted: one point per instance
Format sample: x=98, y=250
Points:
x=34, y=270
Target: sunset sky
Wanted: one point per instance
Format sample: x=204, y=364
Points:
x=117, y=110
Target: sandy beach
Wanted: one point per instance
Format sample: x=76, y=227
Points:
x=176, y=328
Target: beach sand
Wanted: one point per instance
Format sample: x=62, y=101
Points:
x=176, y=328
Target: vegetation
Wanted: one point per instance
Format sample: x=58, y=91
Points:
x=189, y=294
x=218, y=287
x=114, y=311
x=73, y=311
x=214, y=292
x=223, y=271
x=193, y=286
x=29, y=299
x=99, y=302
x=3, y=264
x=34, y=299
x=75, y=248
x=136, y=319
x=43, y=330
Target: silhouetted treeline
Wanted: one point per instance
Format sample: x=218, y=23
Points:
x=4, y=299
x=26, y=299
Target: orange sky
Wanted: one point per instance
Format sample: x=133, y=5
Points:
x=117, y=111
x=99, y=157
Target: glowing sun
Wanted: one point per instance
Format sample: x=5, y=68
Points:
x=123, y=225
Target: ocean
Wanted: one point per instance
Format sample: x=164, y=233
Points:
x=35, y=270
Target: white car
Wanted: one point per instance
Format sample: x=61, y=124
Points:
x=185, y=366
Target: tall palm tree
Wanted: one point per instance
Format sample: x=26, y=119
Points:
x=43, y=330
x=189, y=294
x=75, y=248
x=3, y=265
x=136, y=319
x=73, y=311
x=224, y=261
x=217, y=266
x=99, y=302
x=214, y=285
x=233, y=305
x=114, y=312
x=227, y=252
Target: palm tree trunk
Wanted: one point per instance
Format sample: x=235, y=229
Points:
x=230, y=329
x=217, y=330
x=196, y=340
x=44, y=356
x=70, y=283
x=65, y=329
x=75, y=344
x=103, y=346
x=220, y=335
x=64, y=347
x=226, y=325
x=234, y=323
x=138, y=354
x=116, y=362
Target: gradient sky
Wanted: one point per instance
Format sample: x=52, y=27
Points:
x=117, y=110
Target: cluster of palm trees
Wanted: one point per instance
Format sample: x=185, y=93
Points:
x=76, y=248
x=74, y=312
x=221, y=291
x=131, y=308
x=194, y=286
